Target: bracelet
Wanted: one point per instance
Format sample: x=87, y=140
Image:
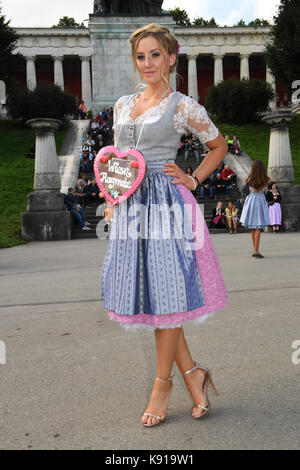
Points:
x=193, y=181
x=196, y=179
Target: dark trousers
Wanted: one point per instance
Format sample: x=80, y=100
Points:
x=79, y=216
x=91, y=198
x=215, y=190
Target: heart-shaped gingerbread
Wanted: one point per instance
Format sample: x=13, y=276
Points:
x=118, y=174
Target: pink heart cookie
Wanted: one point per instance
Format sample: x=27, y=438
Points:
x=118, y=176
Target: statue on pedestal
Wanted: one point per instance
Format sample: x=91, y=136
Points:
x=131, y=7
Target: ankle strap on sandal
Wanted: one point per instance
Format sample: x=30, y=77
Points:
x=194, y=368
x=169, y=379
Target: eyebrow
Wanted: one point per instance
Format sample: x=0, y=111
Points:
x=150, y=51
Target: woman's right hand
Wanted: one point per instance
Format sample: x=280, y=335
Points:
x=171, y=169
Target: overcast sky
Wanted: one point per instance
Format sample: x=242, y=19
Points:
x=46, y=13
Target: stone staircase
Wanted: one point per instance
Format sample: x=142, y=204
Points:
x=94, y=219
x=209, y=204
x=69, y=156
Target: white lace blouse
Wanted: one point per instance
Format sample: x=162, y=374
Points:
x=188, y=116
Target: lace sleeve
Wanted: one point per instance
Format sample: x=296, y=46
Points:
x=118, y=108
x=192, y=116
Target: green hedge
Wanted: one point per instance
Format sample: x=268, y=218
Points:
x=238, y=101
x=45, y=101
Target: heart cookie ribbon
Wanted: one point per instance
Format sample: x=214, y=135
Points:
x=118, y=174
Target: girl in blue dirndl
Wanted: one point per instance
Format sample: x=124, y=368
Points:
x=157, y=282
x=255, y=212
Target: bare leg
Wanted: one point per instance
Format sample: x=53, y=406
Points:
x=166, y=347
x=256, y=239
x=194, y=380
x=253, y=237
x=230, y=224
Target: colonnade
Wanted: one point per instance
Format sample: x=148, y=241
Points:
x=219, y=75
x=59, y=75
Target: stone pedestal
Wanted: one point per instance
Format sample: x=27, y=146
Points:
x=112, y=67
x=46, y=217
x=280, y=165
x=280, y=168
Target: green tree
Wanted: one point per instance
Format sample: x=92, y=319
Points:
x=180, y=16
x=45, y=101
x=202, y=22
x=8, y=60
x=259, y=22
x=238, y=101
x=282, y=53
x=240, y=23
x=67, y=22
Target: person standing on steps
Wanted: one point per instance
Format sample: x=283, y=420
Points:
x=255, y=213
x=162, y=283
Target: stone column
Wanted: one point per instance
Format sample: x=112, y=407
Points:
x=31, y=72
x=59, y=71
x=46, y=217
x=244, y=67
x=86, y=81
x=280, y=165
x=172, y=80
x=2, y=99
x=271, y=79
x=192, y=77
x=218, y=69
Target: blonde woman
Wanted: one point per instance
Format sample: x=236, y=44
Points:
x=231, y=212
x=149, y=281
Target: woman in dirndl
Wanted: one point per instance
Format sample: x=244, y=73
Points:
x=165, y=274
x=255, y=213
x=273, y=198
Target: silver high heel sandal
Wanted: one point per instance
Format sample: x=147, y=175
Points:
x=207, y=381
x=161, y=420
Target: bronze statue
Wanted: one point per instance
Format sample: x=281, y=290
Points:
x=132, y=7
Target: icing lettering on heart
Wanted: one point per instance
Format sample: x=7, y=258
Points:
x=118, y=174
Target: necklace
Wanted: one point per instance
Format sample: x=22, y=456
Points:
x=133, y=125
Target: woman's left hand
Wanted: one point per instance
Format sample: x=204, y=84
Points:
x=171, y=169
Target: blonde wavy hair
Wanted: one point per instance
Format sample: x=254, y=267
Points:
x=166, y=40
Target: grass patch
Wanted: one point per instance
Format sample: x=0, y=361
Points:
x=16, y=173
